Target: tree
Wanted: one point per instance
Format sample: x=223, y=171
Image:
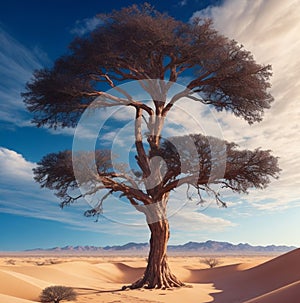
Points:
x=57, y=293
x=211, y=262
x=141, y=44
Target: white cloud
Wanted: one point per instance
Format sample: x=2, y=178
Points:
x=196, y=221
x=269, y=29
x=86, y=25
x=186, y=215
x=14, y=166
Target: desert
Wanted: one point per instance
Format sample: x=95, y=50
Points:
x=239, y=278
x=165, y=122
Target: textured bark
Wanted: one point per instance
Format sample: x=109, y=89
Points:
x=157, y=273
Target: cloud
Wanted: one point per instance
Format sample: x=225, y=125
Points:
x=16, y=66
x=182, y=3
x=20, y=195
x=86, y=25
x=269, y=29
x=186, y=215
x=192, y=220
x=14, y=166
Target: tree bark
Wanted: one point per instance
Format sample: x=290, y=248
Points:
x=157, y=273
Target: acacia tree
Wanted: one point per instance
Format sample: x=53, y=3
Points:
x=139, y=43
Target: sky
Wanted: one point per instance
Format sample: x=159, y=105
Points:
x=35, y=34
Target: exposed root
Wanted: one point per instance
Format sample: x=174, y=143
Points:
x=157, y=274
x=162, y=283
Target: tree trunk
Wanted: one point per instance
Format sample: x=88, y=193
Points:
x=157, y=273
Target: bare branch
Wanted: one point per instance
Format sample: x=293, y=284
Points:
x=98, y=210
x=141, y=157
x=174, y=99
x=244, y=168
x=122, y=176
x=216, y=196
x=211, y=262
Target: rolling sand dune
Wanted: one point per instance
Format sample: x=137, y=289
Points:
x=100, y=279
x=257, y=283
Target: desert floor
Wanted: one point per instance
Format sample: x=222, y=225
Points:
x=251, y=279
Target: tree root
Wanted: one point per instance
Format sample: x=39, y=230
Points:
x=168, y=282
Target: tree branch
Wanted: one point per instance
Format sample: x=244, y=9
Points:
x=128, y=191
x=174, y=99
x=123, y=176
x=141, y=156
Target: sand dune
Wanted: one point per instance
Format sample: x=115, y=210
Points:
x=100, y=279
x=12, y=299
x=289, y=293
x=18, y=286
x=238, y=285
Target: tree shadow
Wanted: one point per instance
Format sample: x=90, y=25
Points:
x=90, y=291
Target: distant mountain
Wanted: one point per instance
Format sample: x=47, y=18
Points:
x=225, y=247
x=128, y=246
x=207, y=247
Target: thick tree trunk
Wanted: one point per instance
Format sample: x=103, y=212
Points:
x=158, y=273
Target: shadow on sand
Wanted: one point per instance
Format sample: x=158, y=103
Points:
x=89, y=291
x=279, y=276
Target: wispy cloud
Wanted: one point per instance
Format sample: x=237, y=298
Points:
x=17, y=64
x=188, y=215
x=86, y=25
x=189, y=218
x=269, y=29
x=20, y=195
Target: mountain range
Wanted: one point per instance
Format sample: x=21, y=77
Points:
x=190, y=247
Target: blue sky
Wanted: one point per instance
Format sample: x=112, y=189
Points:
x=36, y=33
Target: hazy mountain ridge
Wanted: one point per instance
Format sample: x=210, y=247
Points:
x=201, y=247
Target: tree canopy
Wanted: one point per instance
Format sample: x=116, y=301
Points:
x=141, y=43
x=243, y=170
